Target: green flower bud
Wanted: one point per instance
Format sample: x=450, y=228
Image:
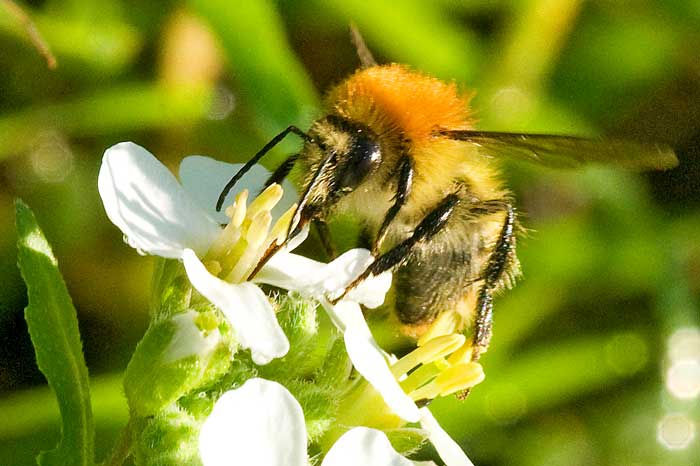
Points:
x=175, y=356
x=168, y=438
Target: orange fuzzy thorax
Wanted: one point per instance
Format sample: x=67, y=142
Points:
x=392, y=97
x=407, y=107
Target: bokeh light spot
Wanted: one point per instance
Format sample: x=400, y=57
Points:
x=683, y=379
x=51, y=158
x=684, y=343
x=675, y=431
x=222, y=103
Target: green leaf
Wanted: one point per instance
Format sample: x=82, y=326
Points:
x=53, y=328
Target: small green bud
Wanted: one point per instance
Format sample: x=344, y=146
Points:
x=168, y=438
x=175, y=356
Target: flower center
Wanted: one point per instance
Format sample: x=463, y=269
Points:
x=244, y=241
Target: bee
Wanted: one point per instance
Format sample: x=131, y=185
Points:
x=398, y=149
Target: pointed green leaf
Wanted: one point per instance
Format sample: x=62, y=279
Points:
x=53, y=328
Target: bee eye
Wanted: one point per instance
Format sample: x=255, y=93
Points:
x=363, y=156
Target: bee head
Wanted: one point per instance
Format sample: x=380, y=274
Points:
x=340, y=155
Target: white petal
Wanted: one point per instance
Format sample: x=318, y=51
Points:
x=204, y=178
x=189, y=340
x=260, y=423
x=447, y=448
x=372, y=291
x=287, y=270
x=245, y=306
x=366, y=447
x=146, y=202
x=368, y=358
x=313, y=278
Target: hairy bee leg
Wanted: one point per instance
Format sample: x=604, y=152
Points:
x=428, y=227
x=282, y=171
x=324, y=233
x=483, y=328
x=402, y=192
x=493, y=272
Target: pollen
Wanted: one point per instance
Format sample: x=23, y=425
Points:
x=243, y=242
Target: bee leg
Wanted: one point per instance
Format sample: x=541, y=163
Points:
x=324, y=233
x=282, y=171
x=494, y=271
x=402, y=192
x=427, y=228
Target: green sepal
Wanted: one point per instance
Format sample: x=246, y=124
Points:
x=298, y=318
x=53, y=328
x=337, y=366
x=319, y=404
x=171, y=289
x=407, y=441
x=175, y=356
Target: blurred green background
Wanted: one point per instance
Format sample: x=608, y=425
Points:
x=596, y=353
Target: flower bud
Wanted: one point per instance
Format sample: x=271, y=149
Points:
x=169, y=438
x=175, y=356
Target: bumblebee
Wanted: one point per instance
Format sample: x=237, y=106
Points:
x=398, y=149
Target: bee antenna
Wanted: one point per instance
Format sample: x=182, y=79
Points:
x=366, y=58
x=244, y=169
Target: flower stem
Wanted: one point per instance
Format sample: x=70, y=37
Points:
x=122, y=449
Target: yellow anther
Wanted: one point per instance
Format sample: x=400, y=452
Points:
x=434, y=349
x=266, y=200
x=462, y=355
x=279, y=231
x=445, y=324
x=259, y=226
x=255, y=240
x=237, y=211
x=459, y=377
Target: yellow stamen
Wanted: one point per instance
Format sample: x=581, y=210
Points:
x=231, y=232
x=279, y=231
x=255, y=239
x=434, y=349
x=426, y=392
x=462, y=355
x=237, y=211
x=459, y=377
x=420, y=377
x=445, y=324
x=266, y=200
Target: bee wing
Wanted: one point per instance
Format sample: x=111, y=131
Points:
x=567, y=151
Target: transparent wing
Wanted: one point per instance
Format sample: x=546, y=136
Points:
x=567, y=151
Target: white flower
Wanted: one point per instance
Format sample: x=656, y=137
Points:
x=160, y=216
x=262, y=423
x=383, y=372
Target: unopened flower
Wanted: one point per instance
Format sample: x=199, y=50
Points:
x=160, y=216
x=262, y=423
